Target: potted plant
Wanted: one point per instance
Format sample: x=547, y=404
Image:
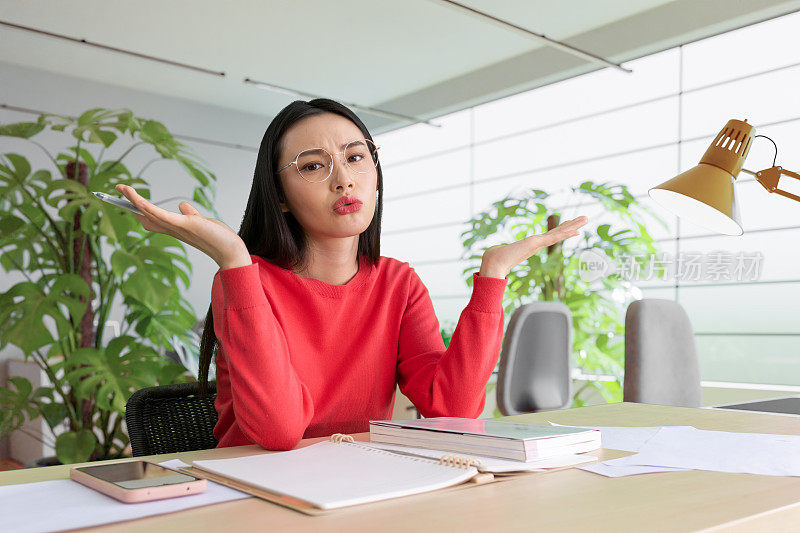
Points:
x=597, y=305
x=77, y=254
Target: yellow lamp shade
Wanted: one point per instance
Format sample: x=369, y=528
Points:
x=704, y=194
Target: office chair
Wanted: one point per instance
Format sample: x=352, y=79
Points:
x=661, y=365
x=171, y=418
x=535, y=360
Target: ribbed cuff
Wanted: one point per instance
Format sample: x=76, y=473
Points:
x=487, y=293
x=241, y=287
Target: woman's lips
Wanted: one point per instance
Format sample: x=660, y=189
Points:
x=349, y=208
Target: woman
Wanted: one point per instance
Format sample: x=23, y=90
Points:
x=314, y=328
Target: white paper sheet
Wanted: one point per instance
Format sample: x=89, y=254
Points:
x=721, y=451
x=629, y=439
x=675, y=448
x=616, y=468
x=69, y=504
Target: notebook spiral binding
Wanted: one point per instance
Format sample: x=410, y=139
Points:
x=338, y=438
x=452, y=460
x=460, y=461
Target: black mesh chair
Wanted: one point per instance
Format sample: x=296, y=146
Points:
x=171, y=418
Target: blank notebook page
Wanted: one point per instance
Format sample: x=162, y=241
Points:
x=330, y=475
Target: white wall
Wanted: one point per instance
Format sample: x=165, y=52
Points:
x=637, y=129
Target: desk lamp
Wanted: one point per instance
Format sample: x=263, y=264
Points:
x=705, y=195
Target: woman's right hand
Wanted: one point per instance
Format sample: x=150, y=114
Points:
x=210, y=236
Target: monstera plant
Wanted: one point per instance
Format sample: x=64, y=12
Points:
x=76, y=255
x=616, y=232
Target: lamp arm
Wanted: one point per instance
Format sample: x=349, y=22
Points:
x=791, y=174
x=769, y=179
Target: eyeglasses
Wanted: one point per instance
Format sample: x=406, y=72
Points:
x=316, y=164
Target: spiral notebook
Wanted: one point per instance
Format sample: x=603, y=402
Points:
x=329, y=475
x=341, y=472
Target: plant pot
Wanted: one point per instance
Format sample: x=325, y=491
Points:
x=51, y=460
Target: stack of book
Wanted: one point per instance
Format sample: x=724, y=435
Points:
x=491, y=438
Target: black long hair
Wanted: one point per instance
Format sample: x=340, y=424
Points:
x=277, y=236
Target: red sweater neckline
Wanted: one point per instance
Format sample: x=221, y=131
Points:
x=365, y=270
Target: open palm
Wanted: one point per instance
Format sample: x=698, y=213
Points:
x=504, y=257
x=210, y=236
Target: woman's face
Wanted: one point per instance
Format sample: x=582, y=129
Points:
x=312, y=204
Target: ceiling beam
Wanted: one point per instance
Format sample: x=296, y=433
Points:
x=558, y=45
x=644, y=33
x=112, y=48
x=373, y=110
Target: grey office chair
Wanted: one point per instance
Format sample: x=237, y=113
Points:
x=535, y=360
x=661, y=365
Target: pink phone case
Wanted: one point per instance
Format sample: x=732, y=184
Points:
x=144, y=494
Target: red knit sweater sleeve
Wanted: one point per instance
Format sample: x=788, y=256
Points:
x=272, y=406
x=452, y=381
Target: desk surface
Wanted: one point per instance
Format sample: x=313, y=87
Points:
x=568, y=500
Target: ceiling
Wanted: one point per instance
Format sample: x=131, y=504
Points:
x=419, y=58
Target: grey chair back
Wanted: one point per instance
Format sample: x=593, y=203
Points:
x=535, y=372
x=661, y=365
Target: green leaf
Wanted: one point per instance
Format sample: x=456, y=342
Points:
x=24, y=387
x=90, y=116
x=156, y=131
x=24, y=324
x=201, y=175
x=16, y=402
x=10, y=225
x=75, y=446
x=201, y=198
x=108, y=175
x=25, y=130
x=83, y=155
x=53, y=413
x=111, y=376
x=19, y=171
x=96, y=125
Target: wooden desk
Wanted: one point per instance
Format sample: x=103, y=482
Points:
x=568, y=500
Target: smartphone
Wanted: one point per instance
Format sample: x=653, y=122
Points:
x=119, y=202
x=137, y=481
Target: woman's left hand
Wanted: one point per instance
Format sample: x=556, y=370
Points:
x=499, y=260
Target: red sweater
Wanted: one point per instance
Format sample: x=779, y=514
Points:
x=301, y=358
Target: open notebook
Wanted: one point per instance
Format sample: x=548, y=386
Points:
x=328, y=475
x=340, y=473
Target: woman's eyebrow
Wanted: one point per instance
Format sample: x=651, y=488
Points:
x=342, y=146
